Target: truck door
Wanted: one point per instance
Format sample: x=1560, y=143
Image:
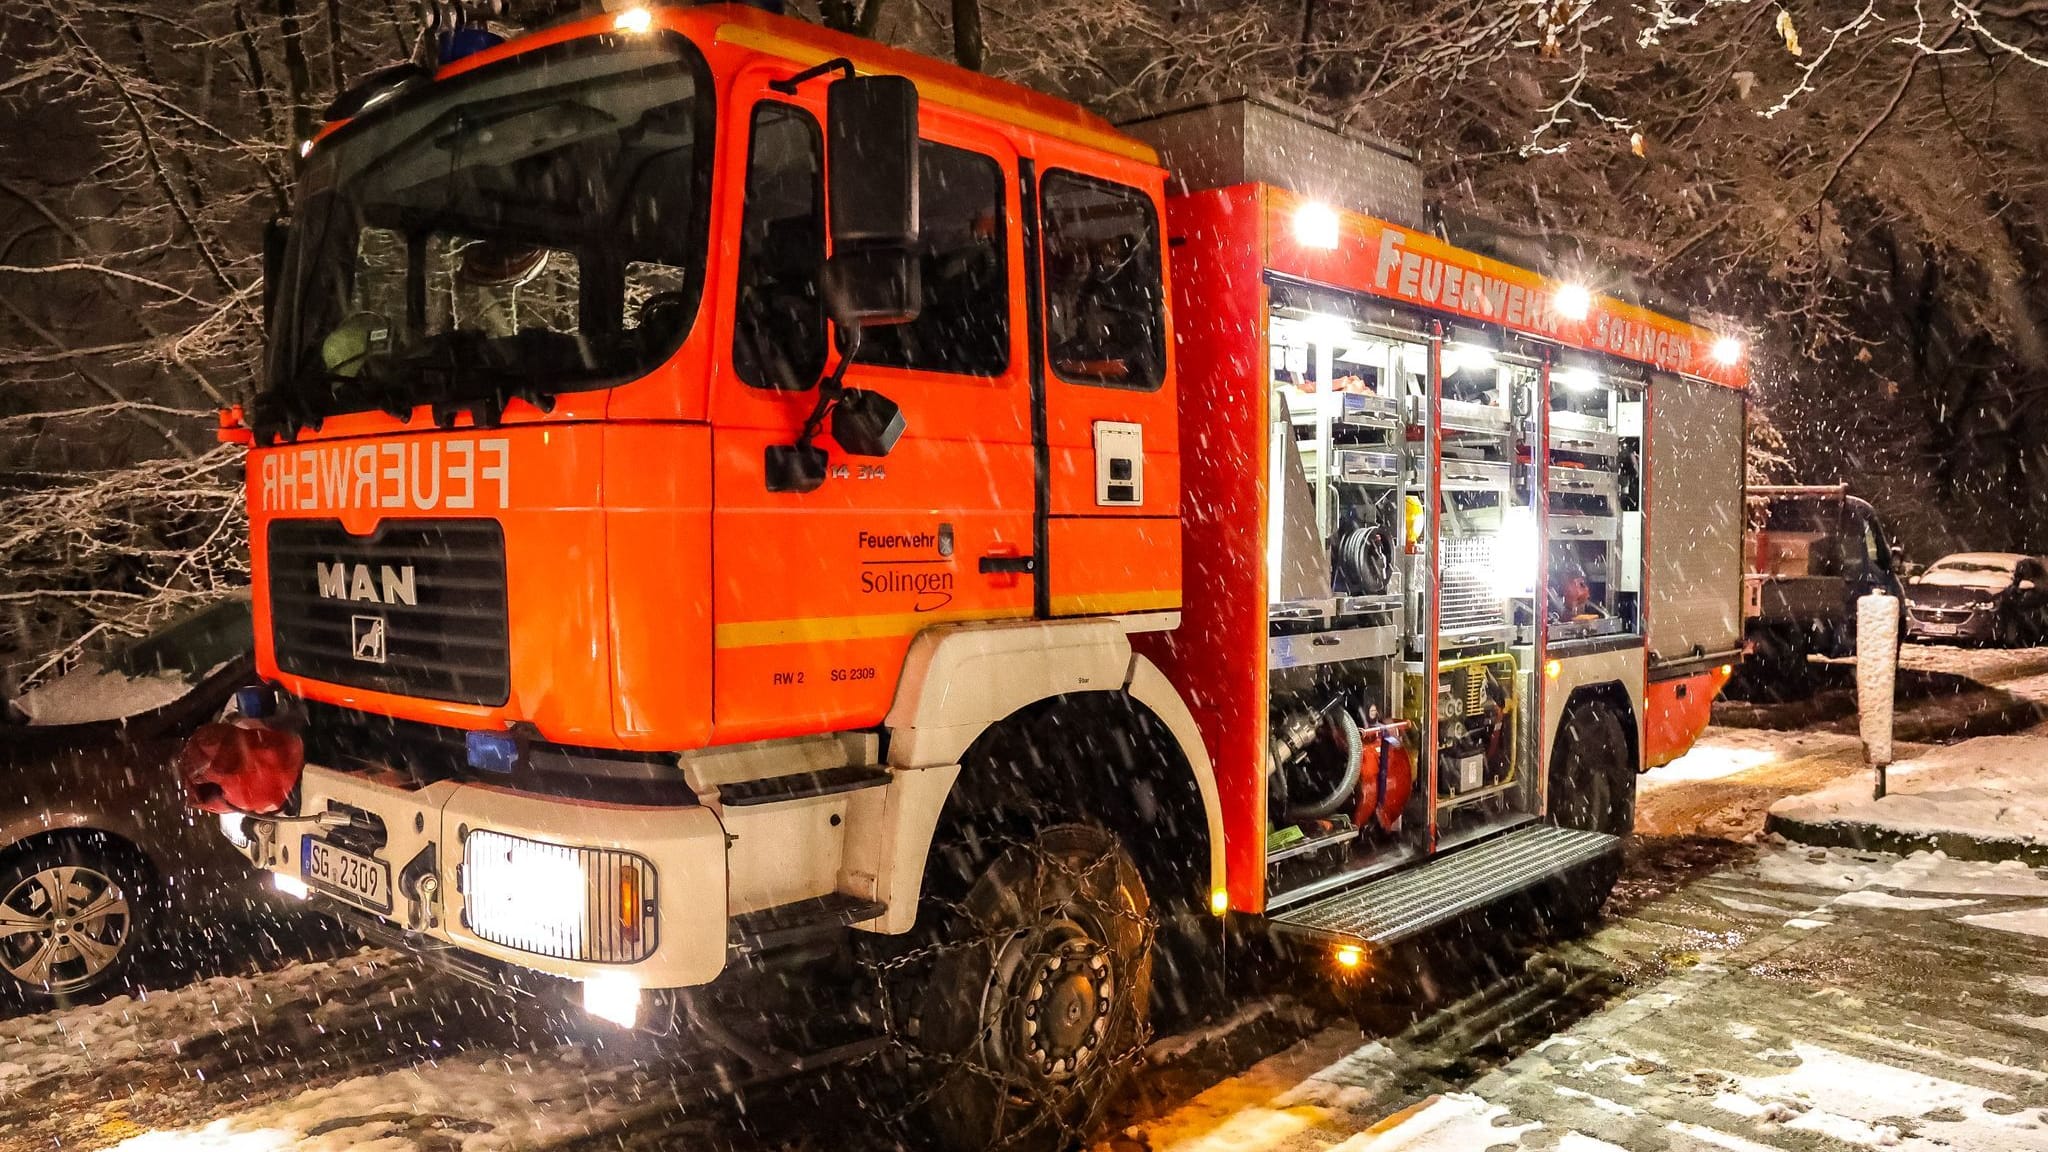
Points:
x=817, y=595
x=1109, y=539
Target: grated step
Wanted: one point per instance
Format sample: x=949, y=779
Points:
x=787, y=923
x=802, y=785
x=1411, y=901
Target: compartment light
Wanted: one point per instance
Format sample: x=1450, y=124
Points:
x=1468, y=358
x=634, y=20
x=1515, y=550
x=613, y=996
x=1727, y=351
x=1574, y=379
x=1323, y=328
x=1316, y=225
x=1572, y=301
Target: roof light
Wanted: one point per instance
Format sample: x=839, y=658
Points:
x=634, y=20
x=1316, y=226
x=1572, y=301
x=1727, y=351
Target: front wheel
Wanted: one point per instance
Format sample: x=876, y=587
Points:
x=72, y=916
x=1037, y=996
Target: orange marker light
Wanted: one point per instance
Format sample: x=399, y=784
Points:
x=1219, y=902
x=629, y=904
x=1551, y=668
x=1350, y=956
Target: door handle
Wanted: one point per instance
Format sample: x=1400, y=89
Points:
x=1008, y=565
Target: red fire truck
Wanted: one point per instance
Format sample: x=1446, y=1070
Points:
x=730, y=495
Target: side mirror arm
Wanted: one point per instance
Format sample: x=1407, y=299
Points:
x=800, y=467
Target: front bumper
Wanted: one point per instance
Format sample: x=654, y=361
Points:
x=1975, y=624
x=426, y=831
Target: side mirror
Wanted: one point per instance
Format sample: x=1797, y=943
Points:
x=277, y=235
x=871, y=165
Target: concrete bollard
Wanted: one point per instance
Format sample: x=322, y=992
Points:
x=1877, y=667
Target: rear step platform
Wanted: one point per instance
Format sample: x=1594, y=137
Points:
x=1415, y=899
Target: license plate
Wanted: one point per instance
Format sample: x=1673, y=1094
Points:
x=1933, y=629
x=361, y=880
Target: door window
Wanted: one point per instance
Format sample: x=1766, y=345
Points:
x=1105, y=320
x=778, y=338
x=963, y=324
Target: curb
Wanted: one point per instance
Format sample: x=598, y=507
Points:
x=1874, y=838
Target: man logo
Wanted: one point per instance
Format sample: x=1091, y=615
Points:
x=388, y=585
x=367, y=637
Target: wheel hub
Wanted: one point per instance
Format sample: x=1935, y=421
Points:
x=1068, y=995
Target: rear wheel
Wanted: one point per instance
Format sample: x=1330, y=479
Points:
x=1593, y=788
x=1027, y=999
x=73, y=914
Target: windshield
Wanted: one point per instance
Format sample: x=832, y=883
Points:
x=1995, y=565
x=535, y=227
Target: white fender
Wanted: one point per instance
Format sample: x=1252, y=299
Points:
x=958, y=679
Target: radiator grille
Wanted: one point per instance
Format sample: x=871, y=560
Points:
x=593, y=904
x=416, y=608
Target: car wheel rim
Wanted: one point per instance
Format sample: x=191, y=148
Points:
x=62, y=928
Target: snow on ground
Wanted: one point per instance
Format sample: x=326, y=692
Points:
x=1822, y=1033
x=1723, y=752
x=1992, y=788
x=493, y=1105
x=78, y=1042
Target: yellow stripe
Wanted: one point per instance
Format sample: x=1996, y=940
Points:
x=818, y=629
x=798, y=52
x=1114, y=603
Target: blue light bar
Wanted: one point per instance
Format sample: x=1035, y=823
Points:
x=253, y=701
x=492, y=751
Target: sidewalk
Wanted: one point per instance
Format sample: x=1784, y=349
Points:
x=1981, y=799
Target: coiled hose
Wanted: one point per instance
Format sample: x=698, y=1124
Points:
x=1365, y=559
x=1354, y=764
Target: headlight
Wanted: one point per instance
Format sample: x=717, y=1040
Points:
x=556, y=900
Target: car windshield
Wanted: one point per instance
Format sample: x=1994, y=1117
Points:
x=193, y=645
x=533, y=227
x=1953, y=564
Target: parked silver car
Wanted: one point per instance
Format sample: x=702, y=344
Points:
x=93, y=823
x=1996, y=598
